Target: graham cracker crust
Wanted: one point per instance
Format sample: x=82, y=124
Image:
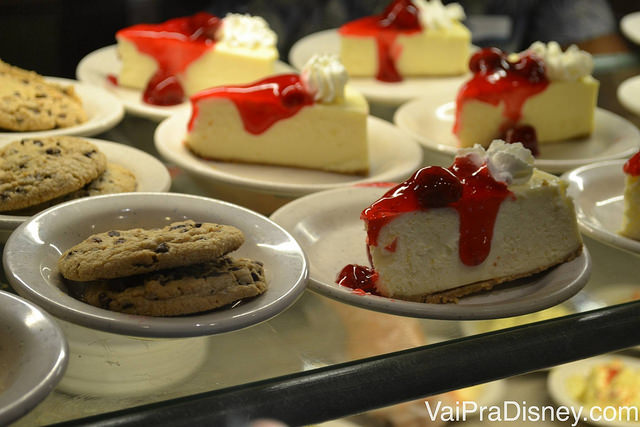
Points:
x=453, y=295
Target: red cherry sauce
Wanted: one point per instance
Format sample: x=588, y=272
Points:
x=401, y=16
x=174, y=45
x=477, y=200
x=632, y=166
x=262, y=103
x=496, y=79
x=359, y=278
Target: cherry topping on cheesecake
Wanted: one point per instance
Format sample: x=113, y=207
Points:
x=174, y=45
x=632, y=166
x=358, y=277
x=436, y=187
x=466, y=187
x=401, y=16
x=261, y=104
x=496, y=79
x=525, y=134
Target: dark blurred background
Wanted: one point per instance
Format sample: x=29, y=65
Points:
x=51, y=36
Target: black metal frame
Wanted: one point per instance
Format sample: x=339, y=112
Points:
x=355, y=387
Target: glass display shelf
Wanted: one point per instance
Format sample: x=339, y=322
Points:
x=322, y=359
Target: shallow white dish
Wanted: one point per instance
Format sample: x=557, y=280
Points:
x=328, y=227
x=104, y=111
x=558, y=386
x=33, y=356
x=628, y=94
x=374, y=90
x=597, y=191
x=150, y=173
x=45, y=236
x=630, y=26
x=393, y=156
x=97, y=66
x=430, y=121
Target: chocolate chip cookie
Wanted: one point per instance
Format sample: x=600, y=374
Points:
x=179, y=291
x=29, y=103
x=120, y=253
x=115, y=179
x=35, y=170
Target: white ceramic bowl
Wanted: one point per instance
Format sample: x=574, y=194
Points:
x=31, y=255
x=150, y=173
x=33, y=356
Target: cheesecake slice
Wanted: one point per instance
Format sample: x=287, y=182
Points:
x=543, y=88
x=410, y=38
x=631, y=214
x=309, y=120
x=448, y=232
x=177, y=58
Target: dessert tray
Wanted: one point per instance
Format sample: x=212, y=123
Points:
x=45, y=236
x=151, y=175
x=33, y=356
x=430, y=121
x=630, y=26
x=559, y=386
x=375, y=91
x=328, y=227
x=97, y=66
x=104, y=111
x=597, y=191
x=393, y=157
x=628, y=94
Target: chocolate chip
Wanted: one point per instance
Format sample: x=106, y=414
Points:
x=90, y=153
x=38, y=142
x=255, y=276
x=69, y=254
x=127, y=305
x=104, y=300
x=120, y=240
x=41, y=95
x=62, y=115
x=197, y=225
x=175, y=227
x=53, y=151
x=162, y=248
x=97, y=240
x=113, y=233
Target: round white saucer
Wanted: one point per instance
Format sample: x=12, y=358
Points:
x=430, y=121
x=328, y=227
x=374, y=90
x=597, y=191
x=97, y=66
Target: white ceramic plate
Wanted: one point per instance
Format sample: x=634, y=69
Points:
x=96, y=67
x=560, y=377
x=45, y=236
x=630, y=26
x=629, y=94
x=374, y=90
x=597, y=191
x=430, y=121
x=33, y=356
x=328, y=227
x=150, y=173
x=393, y=156
x=104, y=111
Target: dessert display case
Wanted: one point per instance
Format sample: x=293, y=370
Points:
x=324, y=357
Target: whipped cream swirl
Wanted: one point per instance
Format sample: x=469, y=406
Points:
x=570, y=65
x=246, y=31
x=433, y=14
x=508, y=163
x=324, y=76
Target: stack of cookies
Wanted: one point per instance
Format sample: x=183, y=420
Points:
x=39, y=172
x=29, y=103
x=183, y=268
